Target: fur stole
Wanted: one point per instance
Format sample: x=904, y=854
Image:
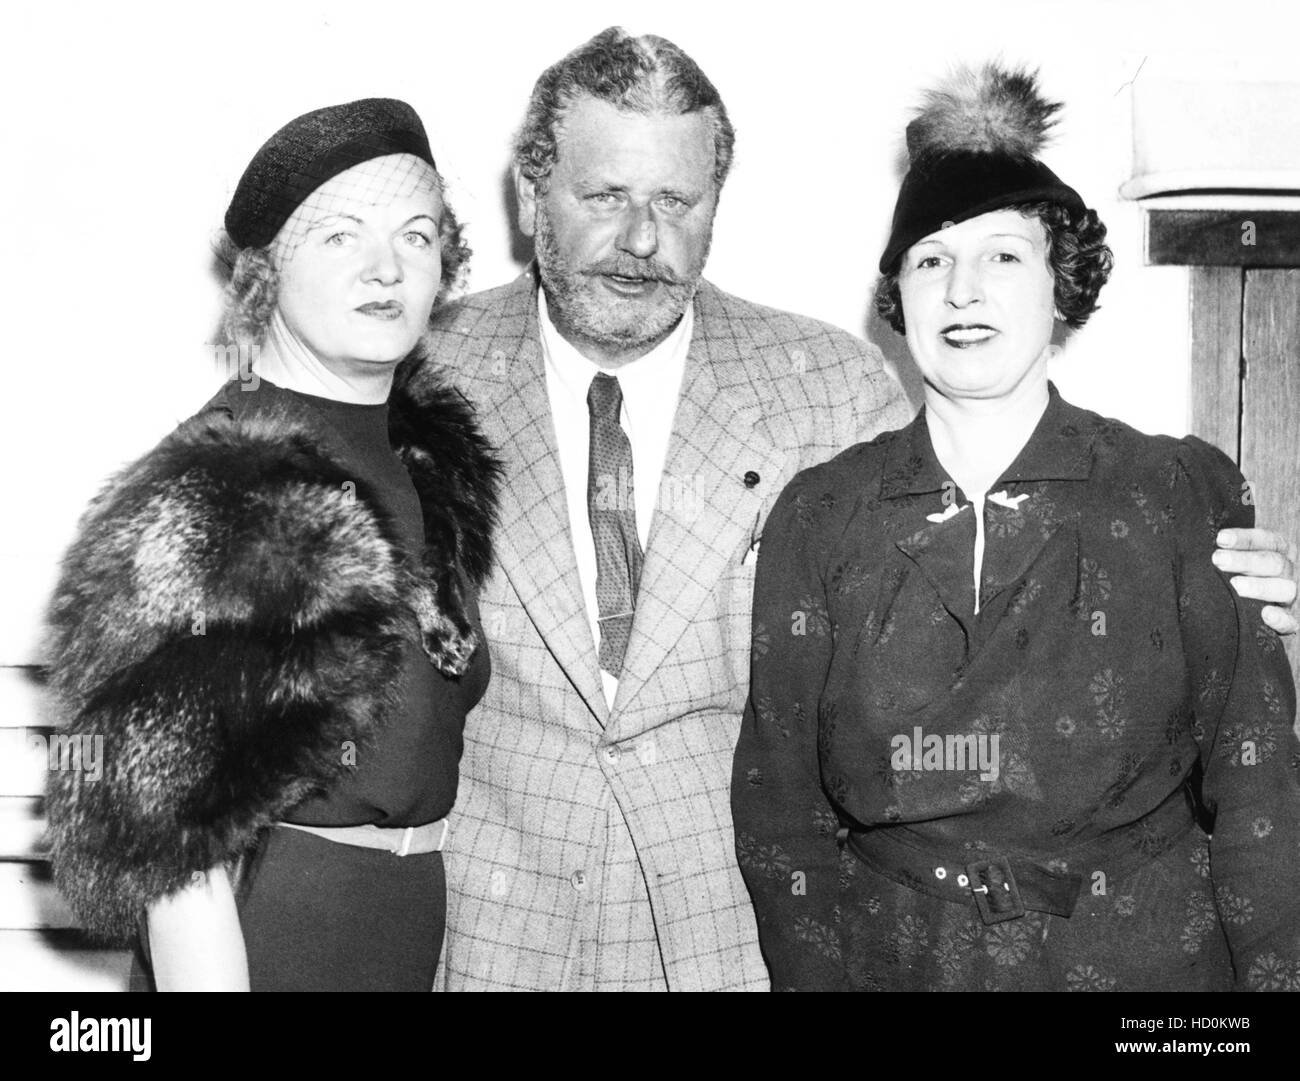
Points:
x=230, y=614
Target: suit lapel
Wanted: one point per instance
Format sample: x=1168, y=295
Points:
x=707, y=518
x=507, y=381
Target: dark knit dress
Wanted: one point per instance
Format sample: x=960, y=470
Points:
x=315, y=914
x=1111, y=676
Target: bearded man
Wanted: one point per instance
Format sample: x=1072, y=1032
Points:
x=647, y=421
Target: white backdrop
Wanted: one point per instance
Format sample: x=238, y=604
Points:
x=127, y=125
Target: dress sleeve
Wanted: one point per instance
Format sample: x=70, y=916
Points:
x=1245, y=709
x=785, y=827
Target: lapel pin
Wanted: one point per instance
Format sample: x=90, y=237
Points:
x=952, y=510
x=1011, y=502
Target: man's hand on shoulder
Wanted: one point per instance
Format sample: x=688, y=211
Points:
x=1263, y=566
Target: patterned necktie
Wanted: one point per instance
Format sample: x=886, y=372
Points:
x=613, y=521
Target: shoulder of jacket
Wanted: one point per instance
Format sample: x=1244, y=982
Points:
x=482, y=310
x=824, y=345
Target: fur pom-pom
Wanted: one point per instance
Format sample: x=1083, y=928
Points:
x=992, y=110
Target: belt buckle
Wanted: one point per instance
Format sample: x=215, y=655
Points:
x=996, y=895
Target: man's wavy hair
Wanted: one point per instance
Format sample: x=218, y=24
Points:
x=645, y=74
x=254, y=283
x=1077, y=255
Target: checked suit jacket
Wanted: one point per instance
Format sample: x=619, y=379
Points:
x=591, y=847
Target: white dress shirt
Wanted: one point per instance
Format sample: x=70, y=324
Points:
x=650, y=386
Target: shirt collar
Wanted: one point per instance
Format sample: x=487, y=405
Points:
x=1060, y=448
x=576, y=371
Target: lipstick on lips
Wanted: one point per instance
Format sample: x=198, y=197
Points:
x=386, y=310
x=963, y=335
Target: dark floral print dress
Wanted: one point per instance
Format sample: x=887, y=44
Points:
x=1122, y=810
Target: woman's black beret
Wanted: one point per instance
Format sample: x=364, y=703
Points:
x=308, y=151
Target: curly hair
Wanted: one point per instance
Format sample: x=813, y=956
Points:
x=1077, y=255
x=646, y=74
x=251, y=292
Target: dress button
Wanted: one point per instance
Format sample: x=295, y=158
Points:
x=752, y=479
x=941, y=873
x=962, y=880
x=612, y=755
x=578, y=880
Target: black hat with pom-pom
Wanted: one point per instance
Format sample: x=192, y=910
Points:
x=973, y=149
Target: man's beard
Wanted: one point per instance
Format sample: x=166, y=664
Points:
x=582, y=309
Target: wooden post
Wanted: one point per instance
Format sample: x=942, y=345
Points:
x=1216, y=298
x=1270, y=419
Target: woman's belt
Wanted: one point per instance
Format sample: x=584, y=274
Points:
x=1004, y=887
x=408, y=841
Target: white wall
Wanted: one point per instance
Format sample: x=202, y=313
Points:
x=127, y=125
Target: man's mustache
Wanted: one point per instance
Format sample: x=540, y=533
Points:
x=649, y=269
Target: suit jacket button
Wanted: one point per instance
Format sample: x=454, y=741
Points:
x=752, y=479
